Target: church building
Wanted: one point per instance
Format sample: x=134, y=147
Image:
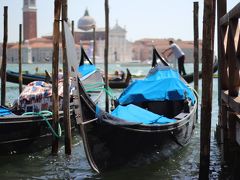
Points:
x=39, y=49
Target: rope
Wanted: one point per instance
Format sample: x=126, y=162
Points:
x=91, y=87
x=43, y=115
x=193, y=90
x=94, y=84
x=109, y=92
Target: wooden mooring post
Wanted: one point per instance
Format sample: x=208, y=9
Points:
x=20, y=59
x=94, y=44
x=221, y=125
x=73, y=29
x=106, y=53
x=55, y=64
x=207, y=66
x=196, y=48
x=4, y=56
x=66, y=96
x=196, y=45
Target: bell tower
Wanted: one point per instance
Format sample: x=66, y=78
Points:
x=29, y=19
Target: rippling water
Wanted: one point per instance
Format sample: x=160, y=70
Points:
x=41, y=165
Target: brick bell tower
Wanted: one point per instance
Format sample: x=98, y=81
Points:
x=29, y=19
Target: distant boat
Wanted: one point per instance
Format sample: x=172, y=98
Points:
x=13, y=77
x=28, y=78
x=152, y=115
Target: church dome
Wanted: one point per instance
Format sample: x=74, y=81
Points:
x=86, y=22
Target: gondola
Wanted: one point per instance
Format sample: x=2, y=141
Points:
x=27, y=78
x=121, y=84
x=27, y=133
x=147, y=126
x=13, y=77
x=190, y=77
x=26, y=130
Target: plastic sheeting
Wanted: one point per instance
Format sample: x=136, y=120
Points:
x=5, y=112
x=86, y=69
x=134, y=113
x=160, y=85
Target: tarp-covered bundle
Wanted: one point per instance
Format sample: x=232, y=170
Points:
x=37, y=96
x=159, y=85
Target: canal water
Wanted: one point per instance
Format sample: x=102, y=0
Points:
x=183, y=164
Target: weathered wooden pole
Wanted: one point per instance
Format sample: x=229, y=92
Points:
x=207, y=66
x=4, y=56
x=221, y=129
x=106, y=51
x=66, y=97
x=55, y=64
x=73, y=28
x=196, y=45
x=20, y=58
x=94, y=44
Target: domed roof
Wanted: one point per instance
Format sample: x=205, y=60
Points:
x=86, y=22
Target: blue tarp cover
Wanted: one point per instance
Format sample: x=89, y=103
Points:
x=158, y=86
x=136, y=114
x=156, y=74
x=86, y=69
x=5, y=112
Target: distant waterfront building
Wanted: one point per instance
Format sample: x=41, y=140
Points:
x=143, y=48
x=39, y=50
x=120, y=49
x=36, y=50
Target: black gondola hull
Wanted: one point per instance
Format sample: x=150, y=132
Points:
x=112, y=146
x=29, y=133
x=28, y=78
x=26, y=134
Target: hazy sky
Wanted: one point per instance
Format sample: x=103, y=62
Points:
x=141, y=18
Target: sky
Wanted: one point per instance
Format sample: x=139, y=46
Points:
x=141, y=18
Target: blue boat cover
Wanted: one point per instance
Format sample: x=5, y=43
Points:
x=162, y=73
x=161, y=85
x=4, y=111
x=136, y=114
x=86, y=69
